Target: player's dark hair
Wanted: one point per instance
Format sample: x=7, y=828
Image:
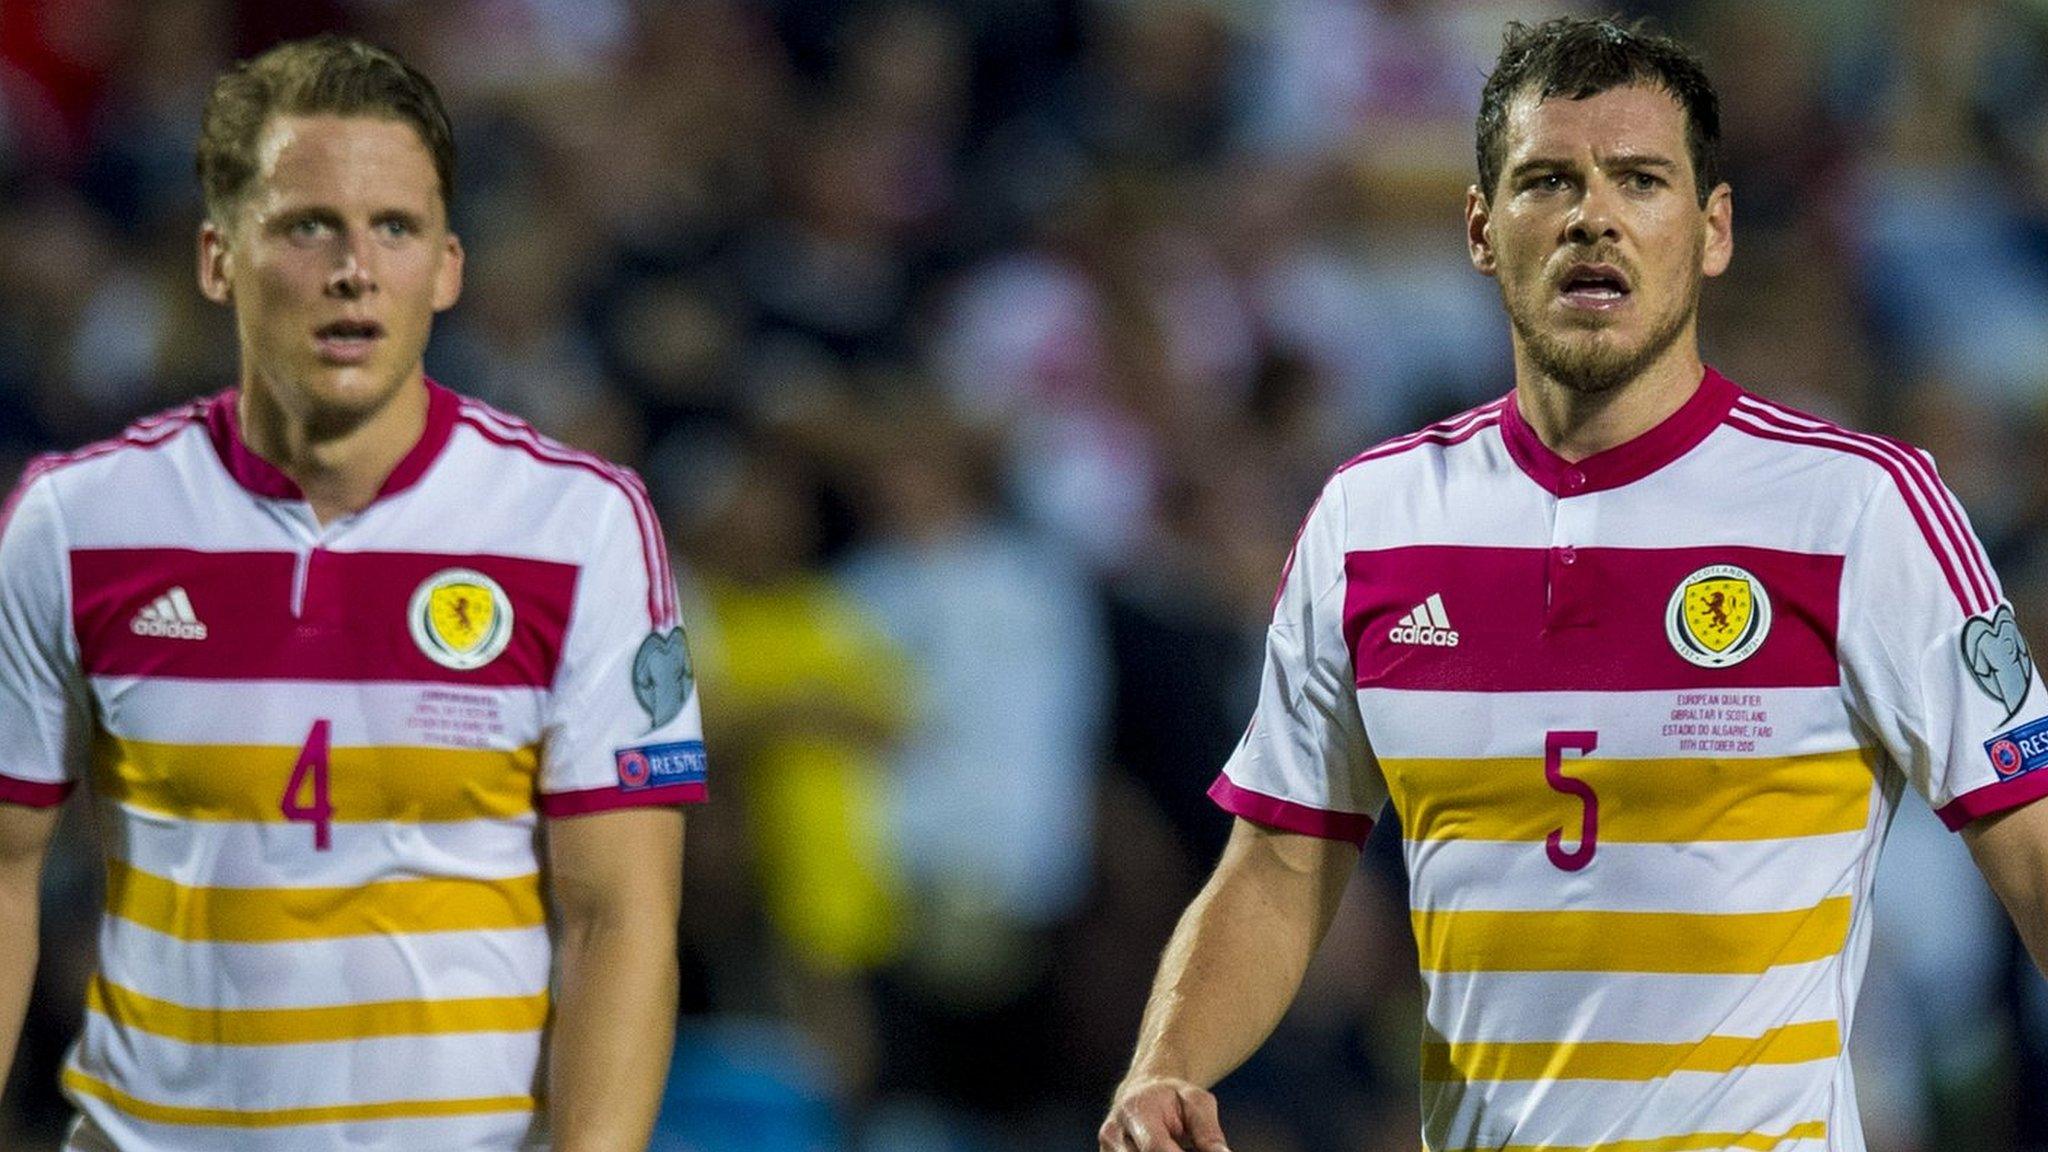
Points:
x=326, y=74
x=1575, y=58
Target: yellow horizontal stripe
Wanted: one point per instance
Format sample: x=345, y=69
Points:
x=1750, y=942
x=388, y=908
x=132, y=1009
x=284, y=1117
x=1608, y=1060
x=246, y=782
x=1689, y=1142
x=1641, y=801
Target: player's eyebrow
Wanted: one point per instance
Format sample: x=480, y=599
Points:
x=1639, y=160
x=1539, y=164
x=1627, y=160
x=287, y=216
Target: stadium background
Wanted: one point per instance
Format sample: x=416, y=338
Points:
x=983, y=356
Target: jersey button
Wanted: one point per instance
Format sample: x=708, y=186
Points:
x=1574, y=480
x=1567, y=555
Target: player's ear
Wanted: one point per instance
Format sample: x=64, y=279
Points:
x=1479, y=230
x=216, y=264
x=448, y=277
x=1719, y=239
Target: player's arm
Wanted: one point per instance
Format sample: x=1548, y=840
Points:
x=1937, y=667
x=24, y=841
x=616, y=882
x=1303, y=783
x=42, y=731
x=2011, y=848
x=1229, y=973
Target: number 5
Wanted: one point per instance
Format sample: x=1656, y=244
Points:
x=1554, y=746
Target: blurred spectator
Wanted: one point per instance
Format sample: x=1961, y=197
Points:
x=814, y=694
x=992, y=785
x=991, y=796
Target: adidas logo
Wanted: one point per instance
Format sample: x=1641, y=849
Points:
x=170, y=616
x=1425, y=624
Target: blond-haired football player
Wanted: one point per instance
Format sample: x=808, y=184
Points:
x=381, y=696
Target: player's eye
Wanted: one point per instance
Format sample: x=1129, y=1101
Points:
x=1643, y=182
x=306, y=228
x=395, y=229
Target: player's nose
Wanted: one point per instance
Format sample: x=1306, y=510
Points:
x=1593, y=217
x=351, y=276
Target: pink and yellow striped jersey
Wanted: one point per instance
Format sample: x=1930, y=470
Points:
x=320, y=757
x=1643, y=719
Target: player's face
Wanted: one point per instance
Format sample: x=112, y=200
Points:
x=336, y=260
x=1596, y=234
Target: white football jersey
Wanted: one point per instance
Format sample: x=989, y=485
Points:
x=319, y=757
x=1643, y=718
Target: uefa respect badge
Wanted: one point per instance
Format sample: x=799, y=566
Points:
x=2019, y=751
x=660, y=765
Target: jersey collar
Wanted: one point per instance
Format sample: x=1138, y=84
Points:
x=260, y=476
x=1624, y=463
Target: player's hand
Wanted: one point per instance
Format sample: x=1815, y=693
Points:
x=1162, y=1115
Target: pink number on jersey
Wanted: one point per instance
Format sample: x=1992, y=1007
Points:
x=320, y=813
x=1554, y=746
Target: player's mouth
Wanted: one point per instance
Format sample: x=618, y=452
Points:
x=347, y=341
x=1594, y=287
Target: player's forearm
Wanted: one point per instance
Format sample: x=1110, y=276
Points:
x=2027, y=903
x=18, y=926
x=2012, y=850
x=1238, y=956
x=24, y=840
x=614, y=1026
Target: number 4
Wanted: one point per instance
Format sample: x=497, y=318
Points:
x=320, y=813
x=1554, y=746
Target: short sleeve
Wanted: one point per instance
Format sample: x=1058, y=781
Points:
x=1304, y=764
x=623, y=727
x=1933, y=657
x=43, y=710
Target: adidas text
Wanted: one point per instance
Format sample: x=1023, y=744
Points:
x=1426, y=624
x=170, y=629
x=169, y=616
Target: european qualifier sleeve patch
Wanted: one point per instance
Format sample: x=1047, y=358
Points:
x=662, y=679
x=1997, y=657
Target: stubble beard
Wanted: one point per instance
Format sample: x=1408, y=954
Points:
x=1590, y=366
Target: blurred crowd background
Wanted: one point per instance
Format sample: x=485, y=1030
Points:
x=983, y=357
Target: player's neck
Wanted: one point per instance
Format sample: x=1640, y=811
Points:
x=341, y=469
x=1577, y=424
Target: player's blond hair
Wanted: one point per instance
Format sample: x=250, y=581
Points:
x=323, y=74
